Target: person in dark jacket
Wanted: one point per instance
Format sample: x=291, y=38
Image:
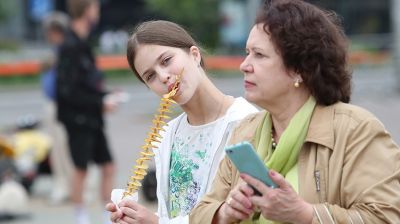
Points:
x=80, y=101
x=55, y=26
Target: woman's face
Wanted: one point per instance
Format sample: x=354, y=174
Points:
x=159, y=66
x=266, y=80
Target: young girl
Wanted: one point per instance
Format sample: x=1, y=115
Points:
x=193, y=143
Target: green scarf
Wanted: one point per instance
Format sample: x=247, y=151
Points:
x=284, y=158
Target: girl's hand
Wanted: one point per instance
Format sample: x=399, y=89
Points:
x=135, y=213
x=115, y=213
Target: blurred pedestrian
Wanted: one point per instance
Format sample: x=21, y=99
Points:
x=81, y=103
x=55, y=26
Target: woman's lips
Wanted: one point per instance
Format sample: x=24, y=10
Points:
x=248, y=84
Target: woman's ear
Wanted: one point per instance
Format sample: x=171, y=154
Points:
x=295, y=76
x=195, y=52
x=299, y=78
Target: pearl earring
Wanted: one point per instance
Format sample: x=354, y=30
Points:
x=296, y=84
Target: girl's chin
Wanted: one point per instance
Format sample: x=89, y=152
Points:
x=177, y=98
x=181, y=99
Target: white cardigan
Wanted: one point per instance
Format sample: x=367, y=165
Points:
x=237, y=111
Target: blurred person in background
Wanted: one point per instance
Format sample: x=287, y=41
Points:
x=81, y=103
x=333, y=162
x=55, y=26
x=192, y=144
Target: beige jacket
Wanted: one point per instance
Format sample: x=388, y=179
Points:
x=349, y=168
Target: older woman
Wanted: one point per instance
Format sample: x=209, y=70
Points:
x=333, y=162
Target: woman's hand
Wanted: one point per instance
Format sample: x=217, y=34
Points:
x=281, y=204
x=131, y=212
x=237, y=206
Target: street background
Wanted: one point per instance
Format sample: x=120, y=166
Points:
x=221, y=27
x=374, y=89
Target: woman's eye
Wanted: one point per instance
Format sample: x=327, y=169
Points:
x=258, y=54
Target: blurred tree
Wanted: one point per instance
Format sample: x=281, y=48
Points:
x=200, y=17
x=9, y=26
x=5, y=10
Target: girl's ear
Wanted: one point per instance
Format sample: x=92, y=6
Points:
x=195, y=52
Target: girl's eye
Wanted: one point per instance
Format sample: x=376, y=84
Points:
x=149, y=76
x=165, y=60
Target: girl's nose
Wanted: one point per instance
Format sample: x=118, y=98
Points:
x=164, y=76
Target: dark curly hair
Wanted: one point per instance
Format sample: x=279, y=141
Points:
x=312, y=43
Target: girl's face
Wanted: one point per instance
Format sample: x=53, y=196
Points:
x=159, y=66
x=266, y=79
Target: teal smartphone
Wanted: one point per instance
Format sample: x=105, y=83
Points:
x=246, y=160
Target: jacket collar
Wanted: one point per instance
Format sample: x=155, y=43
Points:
x=321, y=129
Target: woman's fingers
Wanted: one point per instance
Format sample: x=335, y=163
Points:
x=279, y=180
x=241, y=205
x=256, y=184
x=239, y=199
x=233, y=213
x=247, y=190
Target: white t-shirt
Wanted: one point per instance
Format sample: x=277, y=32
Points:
x=219, y=132
x=191, y=158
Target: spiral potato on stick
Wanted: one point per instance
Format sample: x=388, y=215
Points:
x=160, y=120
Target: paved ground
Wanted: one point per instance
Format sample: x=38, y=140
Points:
x=374, y=89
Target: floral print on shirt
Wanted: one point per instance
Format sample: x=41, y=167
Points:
x=188, y=156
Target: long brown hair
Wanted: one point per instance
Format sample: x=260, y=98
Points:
x=158, y=32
